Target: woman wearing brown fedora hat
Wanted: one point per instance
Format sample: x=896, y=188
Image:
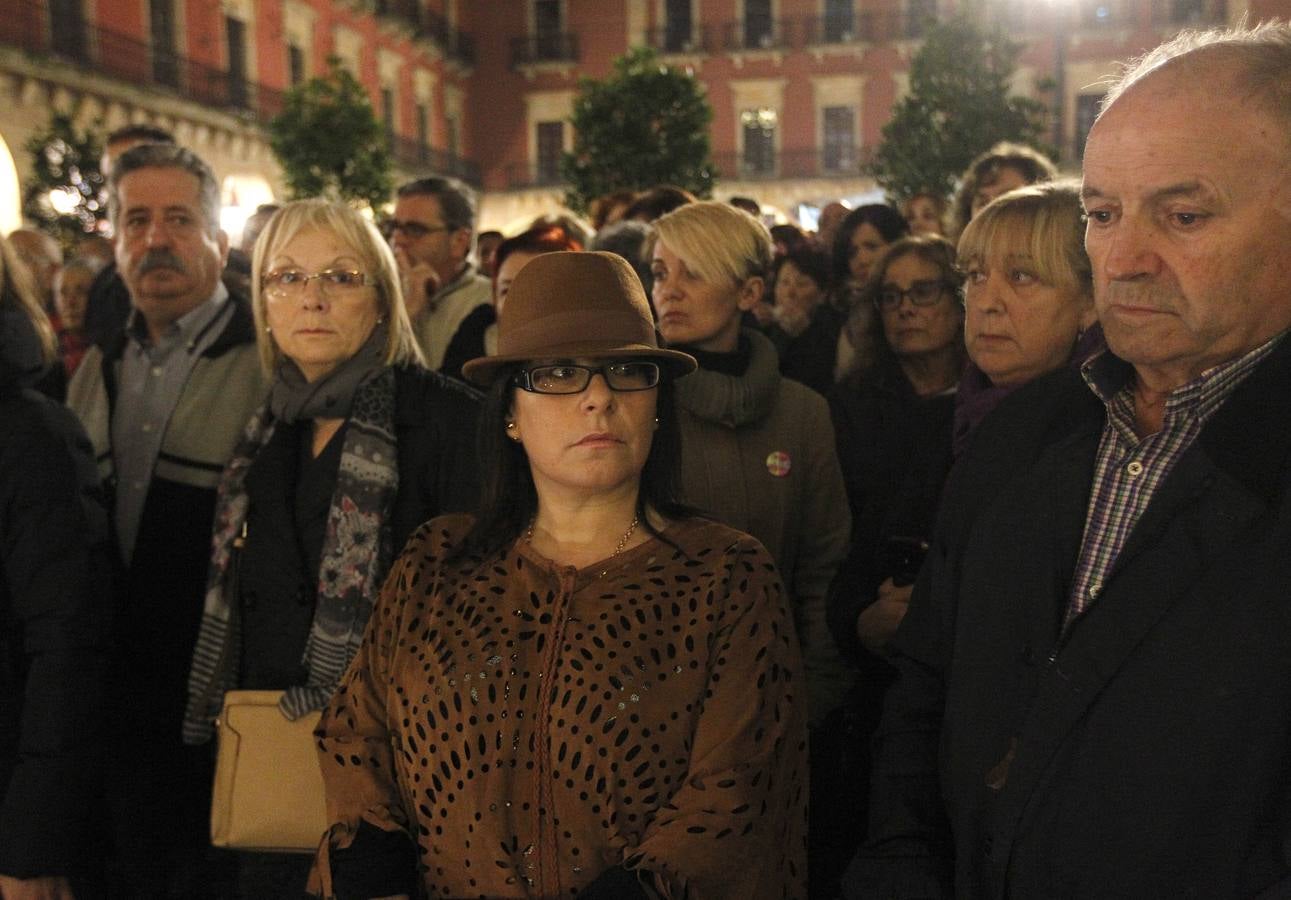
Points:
x=583, y=690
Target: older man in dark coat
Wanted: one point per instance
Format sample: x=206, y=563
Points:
x=1095, y=688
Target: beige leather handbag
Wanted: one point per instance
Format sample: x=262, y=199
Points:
x=268, y=794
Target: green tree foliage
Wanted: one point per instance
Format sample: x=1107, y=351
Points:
x=329, y=142
x=645, y=124
x=958, y=107
x=65, y=160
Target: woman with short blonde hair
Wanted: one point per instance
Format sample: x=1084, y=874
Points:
x=757, y=448
x=370, y=250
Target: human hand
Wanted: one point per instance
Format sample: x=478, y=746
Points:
x=420, y=282
x=878, y=622
x=46, y=887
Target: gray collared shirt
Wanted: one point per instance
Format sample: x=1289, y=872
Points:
x=152, y=377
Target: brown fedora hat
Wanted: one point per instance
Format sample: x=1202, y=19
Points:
x=575, y=304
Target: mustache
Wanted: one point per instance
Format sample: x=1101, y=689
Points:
x=161, y=258
x=1150, y=294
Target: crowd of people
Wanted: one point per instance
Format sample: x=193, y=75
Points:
x=940, y=552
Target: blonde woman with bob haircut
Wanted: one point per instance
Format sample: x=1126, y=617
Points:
x=1028, y=296
x=356, y=446
x=757, y=449
x=370, y=250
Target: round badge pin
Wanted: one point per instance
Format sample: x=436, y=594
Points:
x=779, y=463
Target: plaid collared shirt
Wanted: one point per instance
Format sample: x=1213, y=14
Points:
x=1129, y=469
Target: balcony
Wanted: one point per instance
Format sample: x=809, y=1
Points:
x=521, y=176
x=556, y=47
x=456, y=44
x=698, y=40
x=834, y=29
x=429, y=25
x=415, y=155
x=813, y=162
x=127, y=59
x=757, y=33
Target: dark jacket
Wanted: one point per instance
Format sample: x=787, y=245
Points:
x=1145, y=754
x=164, y=582
x=435, y=435
x=894, y=449
x=811, y=356
x=54, y=619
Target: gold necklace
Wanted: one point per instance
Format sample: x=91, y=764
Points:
x=618, y=548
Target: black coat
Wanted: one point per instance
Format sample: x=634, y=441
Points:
x=435, y=435
x=894, y=450
x=54, y=625
x=1148, y=752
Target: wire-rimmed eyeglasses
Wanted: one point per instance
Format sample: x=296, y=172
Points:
x=288, y=283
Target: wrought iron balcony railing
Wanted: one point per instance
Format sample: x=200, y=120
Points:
x=669, y=39
x=417, y=155
x=757, y=33
x=810, y=162
x=540, y=48
x=122, y=57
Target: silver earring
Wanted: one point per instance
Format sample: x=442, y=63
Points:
x=268, y=329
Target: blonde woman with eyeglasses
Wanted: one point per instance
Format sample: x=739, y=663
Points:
x=356, y=446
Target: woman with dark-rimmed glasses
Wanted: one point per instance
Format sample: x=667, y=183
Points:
x=583, y=690
x=356, y=446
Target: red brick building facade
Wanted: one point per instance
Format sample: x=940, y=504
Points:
x=800, y=89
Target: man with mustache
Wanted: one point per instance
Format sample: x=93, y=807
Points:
x=1094, y=671
x=164, y=402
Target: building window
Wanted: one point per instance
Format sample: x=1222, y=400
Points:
x=451, y=136
x=423, y=130
x=235, y=35
x=678, y=32
x=758, y=30
x=840, y=22
x=759, y=127
x=838, y=126
x=67, y=29
x=919, y=15
x=295, y=64
x=387, y=113
x=547, y=29
x=161, y=23
x=551, y=146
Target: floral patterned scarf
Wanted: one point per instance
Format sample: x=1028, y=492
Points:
x=356, y=555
